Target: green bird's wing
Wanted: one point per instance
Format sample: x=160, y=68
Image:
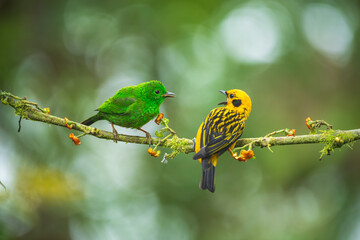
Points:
x=116, y=105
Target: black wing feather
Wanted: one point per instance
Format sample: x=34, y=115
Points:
x=221, y=129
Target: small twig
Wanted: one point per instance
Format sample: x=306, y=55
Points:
x=314, y=124
x=19, y=124
x=153, y=152
x=264, y=140
x=2, y=185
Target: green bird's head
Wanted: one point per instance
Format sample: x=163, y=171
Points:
x=154, y=91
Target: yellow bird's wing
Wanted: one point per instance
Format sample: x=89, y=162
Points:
x=220, y=129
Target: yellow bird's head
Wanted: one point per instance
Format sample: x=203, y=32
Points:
x=237, y=100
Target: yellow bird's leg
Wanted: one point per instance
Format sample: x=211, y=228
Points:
x=115, y=133
x=148, y=136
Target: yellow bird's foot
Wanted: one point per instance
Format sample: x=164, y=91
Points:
x=158, y=119
x=115, y=133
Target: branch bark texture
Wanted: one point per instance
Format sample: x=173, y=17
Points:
x=31, y=111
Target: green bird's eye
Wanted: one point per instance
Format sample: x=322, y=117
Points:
x=157, y=91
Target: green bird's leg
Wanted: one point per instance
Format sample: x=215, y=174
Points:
x=148, y=136
x=115, y=133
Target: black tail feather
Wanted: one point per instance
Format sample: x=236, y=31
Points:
x=91, y=120
x=208, y=175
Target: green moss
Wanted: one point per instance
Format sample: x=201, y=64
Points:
x=177, y=146
x=22, y=110
x=346, y=137
x=4, y=100
x=333, y=140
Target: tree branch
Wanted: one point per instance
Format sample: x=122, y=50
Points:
x=31, y=111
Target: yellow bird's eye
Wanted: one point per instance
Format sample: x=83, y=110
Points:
x=231, y=95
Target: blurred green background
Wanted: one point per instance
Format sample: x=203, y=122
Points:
x=294, y=58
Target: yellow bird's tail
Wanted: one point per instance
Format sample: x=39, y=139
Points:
x=208, y=175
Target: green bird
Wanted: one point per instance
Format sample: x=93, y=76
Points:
x=132, y=107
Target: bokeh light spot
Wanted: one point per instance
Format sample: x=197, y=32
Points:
x=251, y=35
x=327, y=29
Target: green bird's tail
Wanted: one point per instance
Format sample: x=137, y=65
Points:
x=91, y=120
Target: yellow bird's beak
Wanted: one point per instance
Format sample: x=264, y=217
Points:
x=225, y=93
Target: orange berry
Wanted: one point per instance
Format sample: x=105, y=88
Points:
x=75, y=139
x=47, y=110
x=291, y=133
x=66, y=123
x=245, y=155
x=153, y=153
x=307, y=120
x=158, y=119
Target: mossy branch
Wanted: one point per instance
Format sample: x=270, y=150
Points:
x=31, y=111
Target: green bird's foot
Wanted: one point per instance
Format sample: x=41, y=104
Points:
x=115, y=133
x=148, y=136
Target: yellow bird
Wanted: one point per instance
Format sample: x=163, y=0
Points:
x=219, y=132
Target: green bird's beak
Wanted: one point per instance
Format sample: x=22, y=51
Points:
x=223, y=92
x=168, y=94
